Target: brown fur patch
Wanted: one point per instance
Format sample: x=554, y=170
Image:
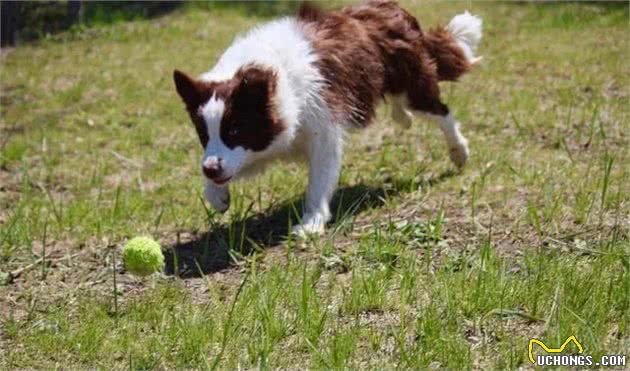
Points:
x=450, y=59
x=378, y=48
x=250, y=117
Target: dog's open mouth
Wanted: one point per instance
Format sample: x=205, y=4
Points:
x=222, y=180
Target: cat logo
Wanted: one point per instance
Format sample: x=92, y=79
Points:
x=553, y=350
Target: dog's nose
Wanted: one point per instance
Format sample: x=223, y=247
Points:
x=212, y=167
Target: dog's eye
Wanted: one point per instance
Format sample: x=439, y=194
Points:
x=233, y=132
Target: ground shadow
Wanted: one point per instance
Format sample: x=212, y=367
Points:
x=210, y=252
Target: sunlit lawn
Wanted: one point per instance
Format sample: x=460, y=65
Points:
x=424, y=267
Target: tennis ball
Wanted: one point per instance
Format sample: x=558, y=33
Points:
x=143, y=256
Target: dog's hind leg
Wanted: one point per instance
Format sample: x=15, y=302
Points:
x=456, y=142
x=424, y=97
x=399, y=113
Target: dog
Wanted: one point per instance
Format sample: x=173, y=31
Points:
x=293, y=87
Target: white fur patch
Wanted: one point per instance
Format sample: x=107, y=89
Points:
x=466, y=28
x=212, y=113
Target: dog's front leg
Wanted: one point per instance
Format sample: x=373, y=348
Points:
x=325, y=152
x=219, y=197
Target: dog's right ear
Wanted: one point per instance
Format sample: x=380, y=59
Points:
x=189, y=89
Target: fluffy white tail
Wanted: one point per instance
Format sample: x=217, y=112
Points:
x=466, y=29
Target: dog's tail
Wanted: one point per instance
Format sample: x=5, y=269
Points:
x=453, y=47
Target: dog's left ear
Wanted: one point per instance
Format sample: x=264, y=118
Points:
x=189, y=89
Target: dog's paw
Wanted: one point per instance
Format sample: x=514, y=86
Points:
x=309, y=229
x=459, y=154
x=219, y=197
x=311, y=225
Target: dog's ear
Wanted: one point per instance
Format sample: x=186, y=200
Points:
x=189, y=89
x=309, y=12
x=255, y=86
x=251, y=109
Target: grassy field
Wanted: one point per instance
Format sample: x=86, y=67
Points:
x=424, y=267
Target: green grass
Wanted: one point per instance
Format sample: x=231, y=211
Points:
x=423, y=268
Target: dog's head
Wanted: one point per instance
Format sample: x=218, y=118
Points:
x=236, y=120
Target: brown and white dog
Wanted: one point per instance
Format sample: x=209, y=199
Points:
x=291, y=88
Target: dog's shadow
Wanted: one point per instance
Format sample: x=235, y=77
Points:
x=211, y=251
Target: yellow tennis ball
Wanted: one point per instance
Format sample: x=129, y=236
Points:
x=143, y=256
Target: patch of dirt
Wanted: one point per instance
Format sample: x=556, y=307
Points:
x=71, y=270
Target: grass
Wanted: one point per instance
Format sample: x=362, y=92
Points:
x=423, y=267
